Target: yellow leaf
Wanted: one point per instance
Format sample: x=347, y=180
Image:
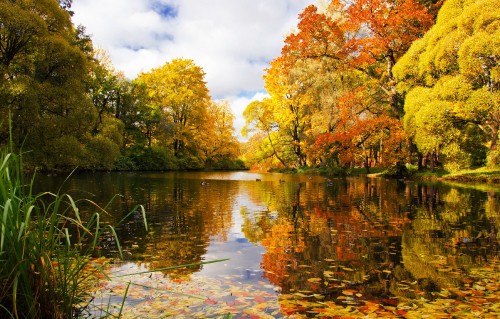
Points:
x=314, y=279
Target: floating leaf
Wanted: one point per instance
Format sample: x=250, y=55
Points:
x=348, y=292
x=314, y=280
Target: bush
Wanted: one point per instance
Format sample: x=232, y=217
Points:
x=494, y=158
x=399, y=170
x=333, y=171
x=455, y=158
x=64, y=153
x=125, y=163
x=227, y=164
x=411, y=169
x=152, y=159
x=190, y=163
x=101, y=153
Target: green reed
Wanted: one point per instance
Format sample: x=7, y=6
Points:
x=46, y=268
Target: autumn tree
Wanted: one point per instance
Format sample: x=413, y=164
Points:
x=364, y=35
x=259, y=117
x=299, y=87
x=292, y=104
x=334, y=79
x=109, y=90
x=177, y=115
x=451, y=76
x=220, y=147
x=380, y=32
x=177, y=92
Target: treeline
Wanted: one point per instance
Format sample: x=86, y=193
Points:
x=64, y=105
x=383, y=83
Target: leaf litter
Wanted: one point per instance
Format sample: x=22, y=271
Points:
x=156, y=295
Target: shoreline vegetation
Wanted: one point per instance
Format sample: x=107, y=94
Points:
x=485, y=175
x=392, y=93
x=48, y=248
x=50, y=251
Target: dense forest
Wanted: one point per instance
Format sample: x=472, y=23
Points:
x=68, y=107
x=359, y=83
x=383, y=83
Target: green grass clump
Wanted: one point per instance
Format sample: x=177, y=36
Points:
x=45, y=249
x=482, y=174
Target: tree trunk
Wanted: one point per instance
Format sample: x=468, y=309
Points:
x=380, y=161
x=393, y=94
x=494, y=138
x=433, y=161
x=149, y=136
x=421, y=159
x=274, y=151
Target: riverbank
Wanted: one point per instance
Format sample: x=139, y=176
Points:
x=487, y=175
x=490, y=175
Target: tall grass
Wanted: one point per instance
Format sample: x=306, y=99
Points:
x=45, y=248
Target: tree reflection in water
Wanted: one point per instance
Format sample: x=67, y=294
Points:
x=366, y=243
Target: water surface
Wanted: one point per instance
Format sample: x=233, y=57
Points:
x=297, y=245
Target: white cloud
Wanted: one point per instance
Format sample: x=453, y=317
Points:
x=232, y=40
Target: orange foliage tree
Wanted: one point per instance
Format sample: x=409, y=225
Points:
x=363, y=40
x=378, y=141
x=333, y=82
x=381, y=31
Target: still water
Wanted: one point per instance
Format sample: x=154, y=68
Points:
x=296, y=246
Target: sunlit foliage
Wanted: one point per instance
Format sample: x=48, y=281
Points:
x=43, y=74
x=70, y=108
x=451, y=76
x=333, y=95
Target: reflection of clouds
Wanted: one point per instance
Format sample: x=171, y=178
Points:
x=244, y=257
x=368, y=234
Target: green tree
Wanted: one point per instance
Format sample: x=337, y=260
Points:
x=43, y=82
x=452, y=74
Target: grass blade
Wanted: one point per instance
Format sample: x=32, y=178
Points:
x=123, y=300
x=117, y=240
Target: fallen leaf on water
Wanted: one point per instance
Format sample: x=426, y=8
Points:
x=314, y=279
x=348, y=292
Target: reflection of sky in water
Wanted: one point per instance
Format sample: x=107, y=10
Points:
x=356, y=230
x=244, y=256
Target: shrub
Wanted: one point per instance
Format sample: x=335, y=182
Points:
x=152, y=159
x=494, y=157
x=101, y=153
x=65, y=153
x=455, y=158
x=125, y=163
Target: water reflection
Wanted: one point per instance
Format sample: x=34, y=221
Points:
x=344, y=240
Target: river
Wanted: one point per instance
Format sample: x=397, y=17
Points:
x=294, y=245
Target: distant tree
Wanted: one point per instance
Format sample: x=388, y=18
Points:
x=220, y=146
x=178, y=98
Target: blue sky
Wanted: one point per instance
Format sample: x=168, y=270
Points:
x=232, y=40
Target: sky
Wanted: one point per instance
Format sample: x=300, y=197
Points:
x=232, y=40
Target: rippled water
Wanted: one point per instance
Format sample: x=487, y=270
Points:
x=294, y=244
